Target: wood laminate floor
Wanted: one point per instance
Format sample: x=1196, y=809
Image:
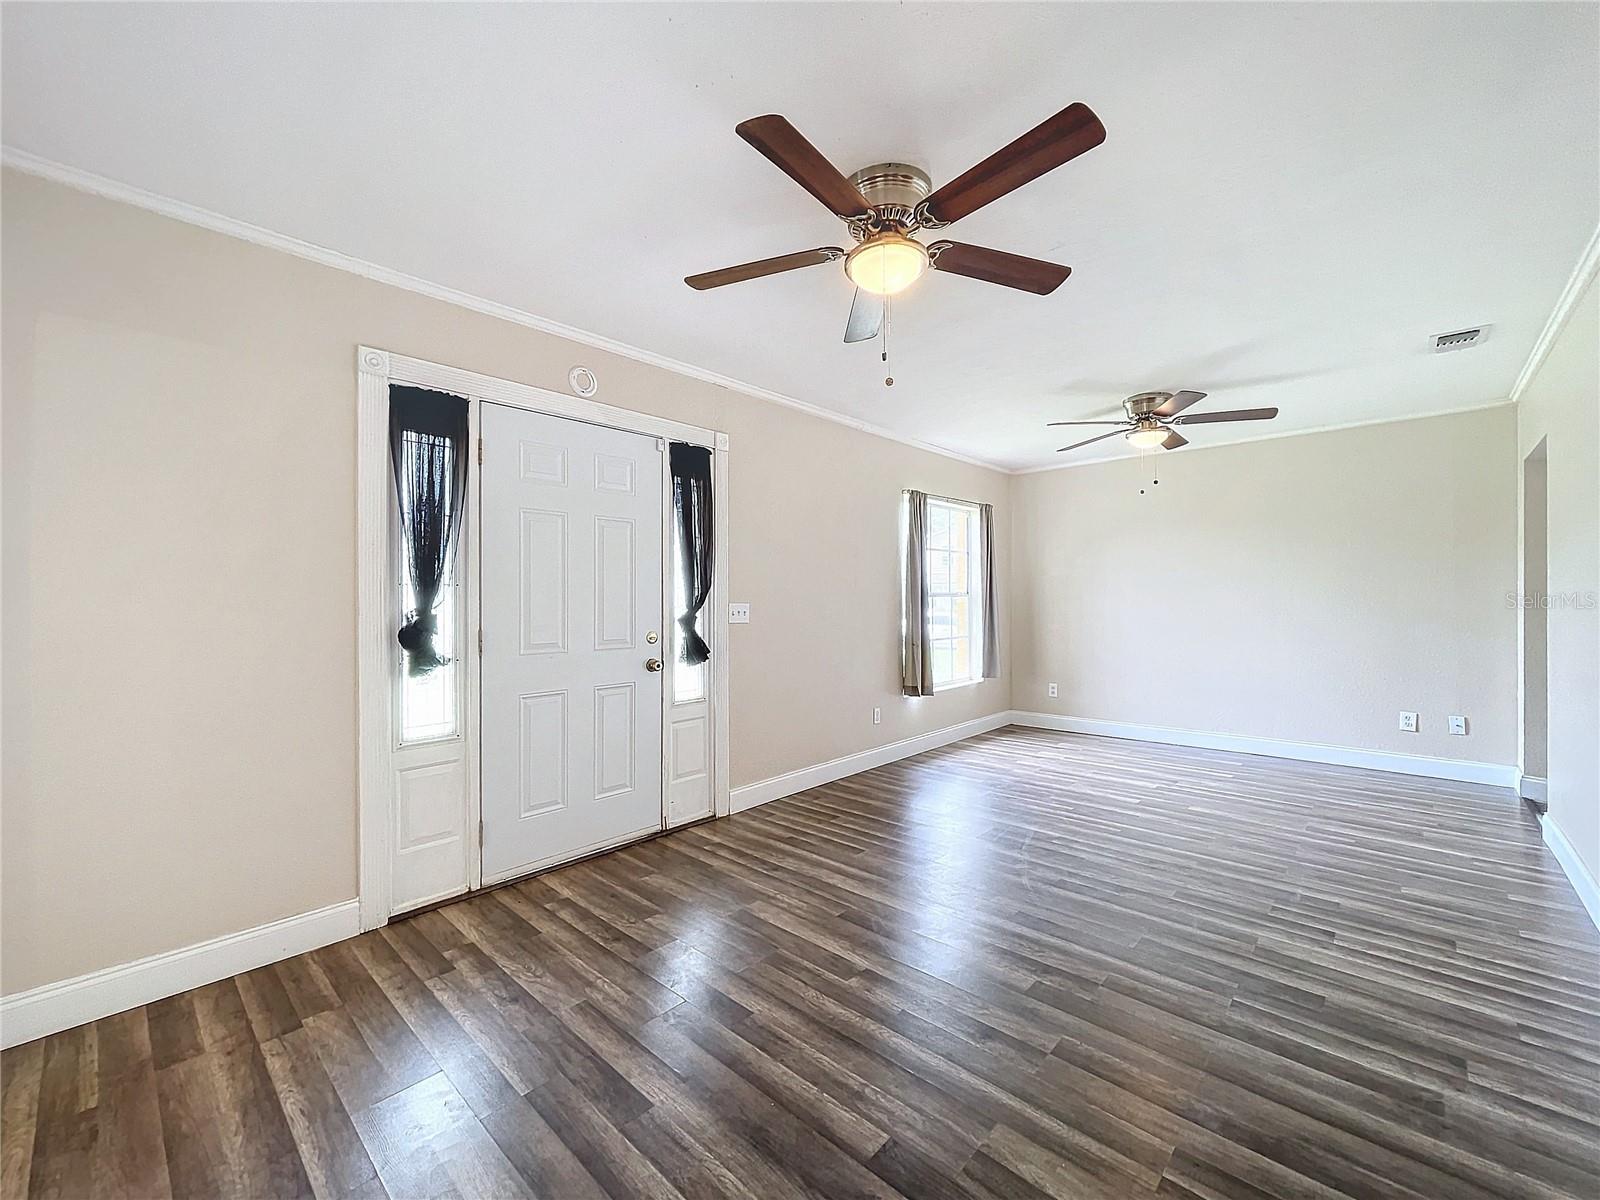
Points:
x=1026, y=965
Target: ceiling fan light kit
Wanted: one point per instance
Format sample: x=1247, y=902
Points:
x=1147, y=437
x=886, y=264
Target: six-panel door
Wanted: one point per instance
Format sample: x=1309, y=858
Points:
x=571, y=590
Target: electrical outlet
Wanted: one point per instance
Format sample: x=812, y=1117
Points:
x=1458, y=726
x=738, y=614
x=1408, y=722
x=877, y=716
x=1053, y=692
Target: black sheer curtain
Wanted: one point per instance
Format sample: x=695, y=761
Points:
x=428, y=448
x=691, y=499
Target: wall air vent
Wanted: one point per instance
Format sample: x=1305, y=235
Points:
x=1459, y=340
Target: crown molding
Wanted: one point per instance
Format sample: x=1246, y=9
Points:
x=1271, y=437
x=87, y=181
x=190, y=214
x=1582, y=275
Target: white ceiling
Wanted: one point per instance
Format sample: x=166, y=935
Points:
x=1292, y=198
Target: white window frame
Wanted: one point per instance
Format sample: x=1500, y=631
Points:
x=385, y=768
x=973, y=594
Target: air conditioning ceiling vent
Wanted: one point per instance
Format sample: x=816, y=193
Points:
x=1459, y=340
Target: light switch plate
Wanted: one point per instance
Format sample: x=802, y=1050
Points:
x=738, y=614
x=1458, y=726
x=1408, y=722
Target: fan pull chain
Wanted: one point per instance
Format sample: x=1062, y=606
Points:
x=1154, y=480
x=888, y=324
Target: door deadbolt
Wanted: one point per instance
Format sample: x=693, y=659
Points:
x=650, y=637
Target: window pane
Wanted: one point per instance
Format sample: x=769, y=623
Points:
x=688, y=682
x=938, y=526
x=961, y=659
x=941, y=618
x=428, y=702
x=939, y=571
x=960, y=617
x=960, y=519
x=941, y=662
x=958, y=572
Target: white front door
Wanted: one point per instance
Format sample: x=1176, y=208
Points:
x=571, y=579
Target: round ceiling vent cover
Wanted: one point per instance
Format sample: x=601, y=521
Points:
x=583, y=381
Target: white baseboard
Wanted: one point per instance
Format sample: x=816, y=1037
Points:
x=1459, y=769
x=57, y=1006
x=1567, y=855
x=779, y=786
x=1533, y=787
x=70, y=1002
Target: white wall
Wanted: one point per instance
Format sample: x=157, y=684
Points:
x=179, y=572
x=1561, y=405
x=1303, y=588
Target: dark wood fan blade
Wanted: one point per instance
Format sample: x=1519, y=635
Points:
x=1236, y=414
x=1091, y=441
x=1174, y=440
x=1088, y=422
x=802, y=162
x=1179, y=402
x=996, y=266
x=766, y=266
x=1043, y=148
x=866, y=317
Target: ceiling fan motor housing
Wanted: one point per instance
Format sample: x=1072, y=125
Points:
x=1145, y=403
x=894, y=190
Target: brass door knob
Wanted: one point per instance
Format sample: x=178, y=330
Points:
x=652, y=664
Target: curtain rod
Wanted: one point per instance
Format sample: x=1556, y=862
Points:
x=946, y=499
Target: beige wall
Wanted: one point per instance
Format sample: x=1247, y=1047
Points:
x=179, y=572
x=1561, y=405
x=1302, y=588
x=179, y=577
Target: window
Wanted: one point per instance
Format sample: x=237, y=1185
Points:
x=955, y=603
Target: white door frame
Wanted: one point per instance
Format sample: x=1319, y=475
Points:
x=377, y=775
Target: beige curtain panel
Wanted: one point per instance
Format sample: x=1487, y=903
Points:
x=916, y=662
x=991, y=606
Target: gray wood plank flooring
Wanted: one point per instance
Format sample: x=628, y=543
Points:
x=1027, y=965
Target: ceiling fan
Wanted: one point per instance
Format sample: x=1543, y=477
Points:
x=1152, y=417
x=886, y=204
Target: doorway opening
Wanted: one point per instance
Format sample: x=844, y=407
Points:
x=1535, y=627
